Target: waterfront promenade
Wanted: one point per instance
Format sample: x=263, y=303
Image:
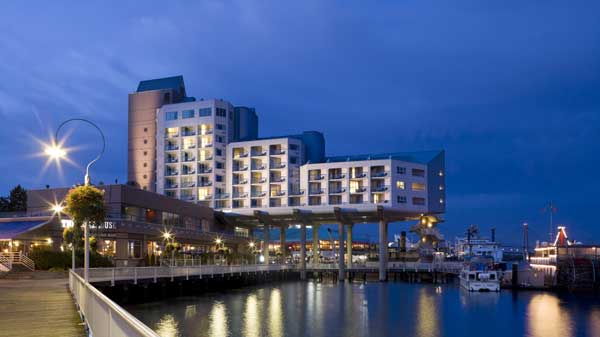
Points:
x=38, y=307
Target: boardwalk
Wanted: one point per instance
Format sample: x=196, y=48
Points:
x=38, y=308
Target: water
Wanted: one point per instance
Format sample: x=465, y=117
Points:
x=373, y=309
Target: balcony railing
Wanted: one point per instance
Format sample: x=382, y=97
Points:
x=277, y=179
x=336, y=176
x=379, y=174
x=315, y=191
x=240, y=168
x=205, y=132
x=188, y=172
x=189, y=146
x=205, y=198
x=358, y=175
x=171, y=135
x=337, y=191
x=171, y=186
x=258, y=194
x=296, y=192
x=188, y=197
x=277, y=193
x=171, y=147
x=205, y=183
x=240, y=195
x=188, y=184
x=259, y=181
x=205, y=145
x=379, y=188
x=171, y=160
x=188, y=133
x=277, y=152
x=258, y=153
x=171, y=173
x=240, y=155
x=189, y=159
x=316, y=177
x=240, y=181
x=259, y=167
x=358, y=190
x=277, y=165
x=222, y=196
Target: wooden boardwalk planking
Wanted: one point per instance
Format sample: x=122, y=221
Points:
x=38, y=308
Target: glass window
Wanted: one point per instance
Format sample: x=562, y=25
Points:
x=220, y=127
x=219, y=178
x=293, y=147
x=418, y=172
x=418, y=201
x=134, y=249
x=418, y=187
x=219, y=152
x=401, y=199
x=219, y=165
x=293, y=160
x=204, y=112
x=187, y=114
x=400, y=170
x=221, y=112
x=220, y=139
x=171, y=115
x=400, y=185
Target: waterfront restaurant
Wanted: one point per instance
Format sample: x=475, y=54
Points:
x=136, y=221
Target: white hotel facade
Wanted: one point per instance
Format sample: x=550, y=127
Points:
x=209, y=152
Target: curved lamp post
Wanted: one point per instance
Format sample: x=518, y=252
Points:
x=57, y=152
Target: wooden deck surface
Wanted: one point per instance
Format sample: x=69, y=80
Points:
x=38, y=308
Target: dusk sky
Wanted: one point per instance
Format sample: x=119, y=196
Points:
x=510, y=90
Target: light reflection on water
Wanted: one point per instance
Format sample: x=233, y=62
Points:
x=374, y=309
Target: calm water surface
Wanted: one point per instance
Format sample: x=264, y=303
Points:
x=372, y=309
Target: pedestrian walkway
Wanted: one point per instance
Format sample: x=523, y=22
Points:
x=38, y=307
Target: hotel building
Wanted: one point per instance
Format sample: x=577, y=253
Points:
x=208, y=152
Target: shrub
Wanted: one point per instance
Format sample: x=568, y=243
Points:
x=46, y=259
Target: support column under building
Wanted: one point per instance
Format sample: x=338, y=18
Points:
x=383, y=250
x=315, y=244
x=341, y=262
x=266, y=239
x=282, y=244
x=349, y=246
x=303, y=252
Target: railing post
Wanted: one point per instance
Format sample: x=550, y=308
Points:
x=112, y=280
x=134, y=275
x=171, y=273
x=187, y=273
x=155, y=274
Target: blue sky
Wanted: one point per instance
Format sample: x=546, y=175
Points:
x=510, y=90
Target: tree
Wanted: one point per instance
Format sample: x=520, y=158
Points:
x=83, y=204
x=4, y=204
x=18, y=199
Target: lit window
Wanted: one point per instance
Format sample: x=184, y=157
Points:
x=187, y=114
x=418, y=201
x=441, y=188
x=441, y=201
x=400, y=185
x=441, y=173
x=203, y=193
x=171, y=115
x=418, y=187
x=418, y=172
x=354, y=186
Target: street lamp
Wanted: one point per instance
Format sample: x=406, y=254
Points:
x=168, y=236
x=56, y=152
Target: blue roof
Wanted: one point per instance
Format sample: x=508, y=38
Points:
x=10, y=230
x=422, y=157
x=174, y=82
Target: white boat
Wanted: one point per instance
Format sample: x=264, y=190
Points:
x=478, y=276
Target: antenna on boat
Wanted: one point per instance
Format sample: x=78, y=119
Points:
x=551, y=208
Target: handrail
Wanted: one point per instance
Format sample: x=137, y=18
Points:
x=102, y=316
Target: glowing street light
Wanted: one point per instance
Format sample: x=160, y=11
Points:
x=56, y=152
x=57, y=208
x=251, y=244
x=218, y=241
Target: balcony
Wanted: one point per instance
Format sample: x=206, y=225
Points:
x=277, y=165
x=188, y=184
x=206, y=145
x=358, y=175
x=240, y=195
x=188, y=197
x=205, y=170
x=379, y=188
x=240, y=168
x=315, y=191
x=258, y=167
x=171, y=160
x=337, y=191
x=188, y=133
x=222, y=196
x=205, y=132
x=296, y=192
x=258, y=153
x=277, y=152
x=379, y=174
x=358, y=190
x=316, y=177
x=259, y=194
x=205, y=198
x=240, y=155
x=259, y=181
x=239, y=182
x=187, y=172
x=189, y=146
x=277, y=193
x=171, y=147
x=277, y=179
x=171, y=186
x=171, y=173
x=189, y=159
x=171, y=135
x=205, y=183
x=336, y=176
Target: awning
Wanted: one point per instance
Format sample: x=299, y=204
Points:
x=10, y=230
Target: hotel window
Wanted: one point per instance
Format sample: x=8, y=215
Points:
x=418, y=187
x=401, y=199
x=204, y=112
x=220, y=139
x=400, y=170
x=293, y=160
x=203, y=193
x=400, y=185
x=134, y=249
x=354, y=186
x=219, y=152
x=293, y=147
x=418, y=201
x=220, y=127
x=171, y=115
x=219, y=165
x=418, y=172
x=187, y=114
x=221, y=112
x=219, y=178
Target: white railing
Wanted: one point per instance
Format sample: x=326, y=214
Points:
x=453, y=267
x=140, y=273
x=11, y=258
x=102, y=316
x=5, y=263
